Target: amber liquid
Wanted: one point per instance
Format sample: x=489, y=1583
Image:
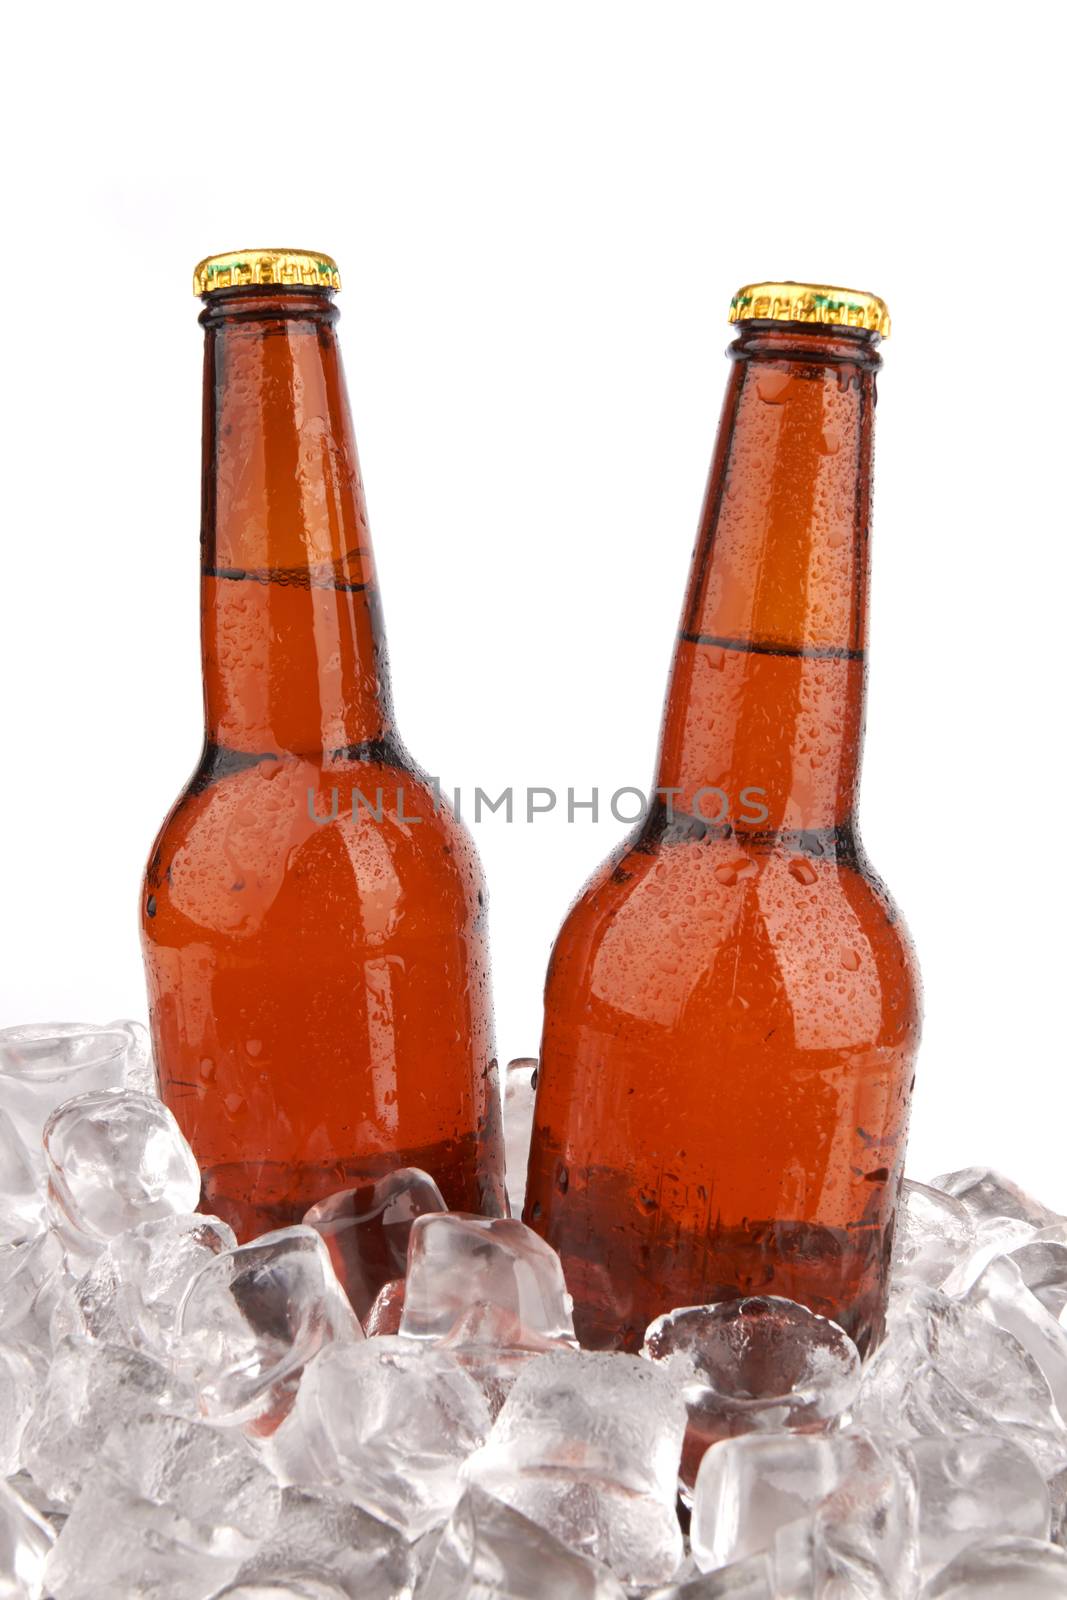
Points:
x=313, y=917
x=731, y=1009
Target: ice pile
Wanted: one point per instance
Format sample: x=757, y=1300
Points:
x=387, y=1402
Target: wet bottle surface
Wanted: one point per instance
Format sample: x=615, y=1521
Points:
x=731, y=1008
x=313, y=916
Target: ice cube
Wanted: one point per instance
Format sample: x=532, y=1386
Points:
x=493, y=1345
x=487, y=1550
x=834, y=1510
x=588, y=1445
x=88, y=1389
x=20, y=1377
x=44, y=1063
x=750, y=1486
x=1001, y=1296
x=140, y=1069
x=115, y=1158
x=944, y=1369
x=1043, y=1265
x=457, y=1262
x=115, y=1543
x=934, y=1234
x=388, y=1422
x=1003, y=1569
x=324, y=1538
x=864, y=1534
x=367, y=1228
x=972, y=1488
x=520, y=1082
x=251, y=1320
x=25, y=1540
x=210, y=1476
x=991, y=1198
x=758, y=1363
x=22, y=1189
x=131, y=1293
x=171, y=1502
x=33, y=1278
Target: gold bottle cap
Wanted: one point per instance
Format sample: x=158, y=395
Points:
x=293, y=269
x=810, y=302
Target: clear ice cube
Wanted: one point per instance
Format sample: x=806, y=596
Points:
x=116, y=1543
x=493, y=1345
x=325, y=1538
x=25, y=1541
x=750, y=1486
x=520, y=1081
x=945, y=1369
x=1043, y=1264
x=973, y=1488
x=758, y=1363
x=1000, y=1294
x=588, y=1446
x=458, y=1262
x=387, y=1422
x=115, y=1158
x=367, y=1228
x=131, y=1293
x=252, y=1319
x=44, y=1063
x=172, y=1508
x=209, y=1476
x=823, y=1515
x=489, y=1550
x=33, y=1279
x=990, y=1197
x=22, y=1189
x=88, y=1389
x=139, y=1068
x=934, y=1234
x=20, y=1377
x=864, y=1534
x=1003, y=1569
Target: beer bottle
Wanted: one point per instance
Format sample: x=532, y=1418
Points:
x=313, y=915
x=732, y=1007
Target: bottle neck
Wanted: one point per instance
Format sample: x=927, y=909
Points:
x=293, y=642
x=764, y=719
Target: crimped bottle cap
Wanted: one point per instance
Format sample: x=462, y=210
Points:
x=293, y=269
x=810, y=302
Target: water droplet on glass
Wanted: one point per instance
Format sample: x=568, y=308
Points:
x=803, y=872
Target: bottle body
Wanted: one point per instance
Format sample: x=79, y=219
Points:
x=731, y=1009
x=313, y=916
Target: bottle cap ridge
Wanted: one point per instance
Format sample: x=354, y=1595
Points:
x=810, y=302
x=238, y=269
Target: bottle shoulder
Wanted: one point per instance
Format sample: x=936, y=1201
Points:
x=369, y=840
x=702, y=923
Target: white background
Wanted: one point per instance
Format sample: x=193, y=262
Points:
x=541, y=211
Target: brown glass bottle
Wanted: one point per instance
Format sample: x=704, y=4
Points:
x=731, y=1008
x=313, y=916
